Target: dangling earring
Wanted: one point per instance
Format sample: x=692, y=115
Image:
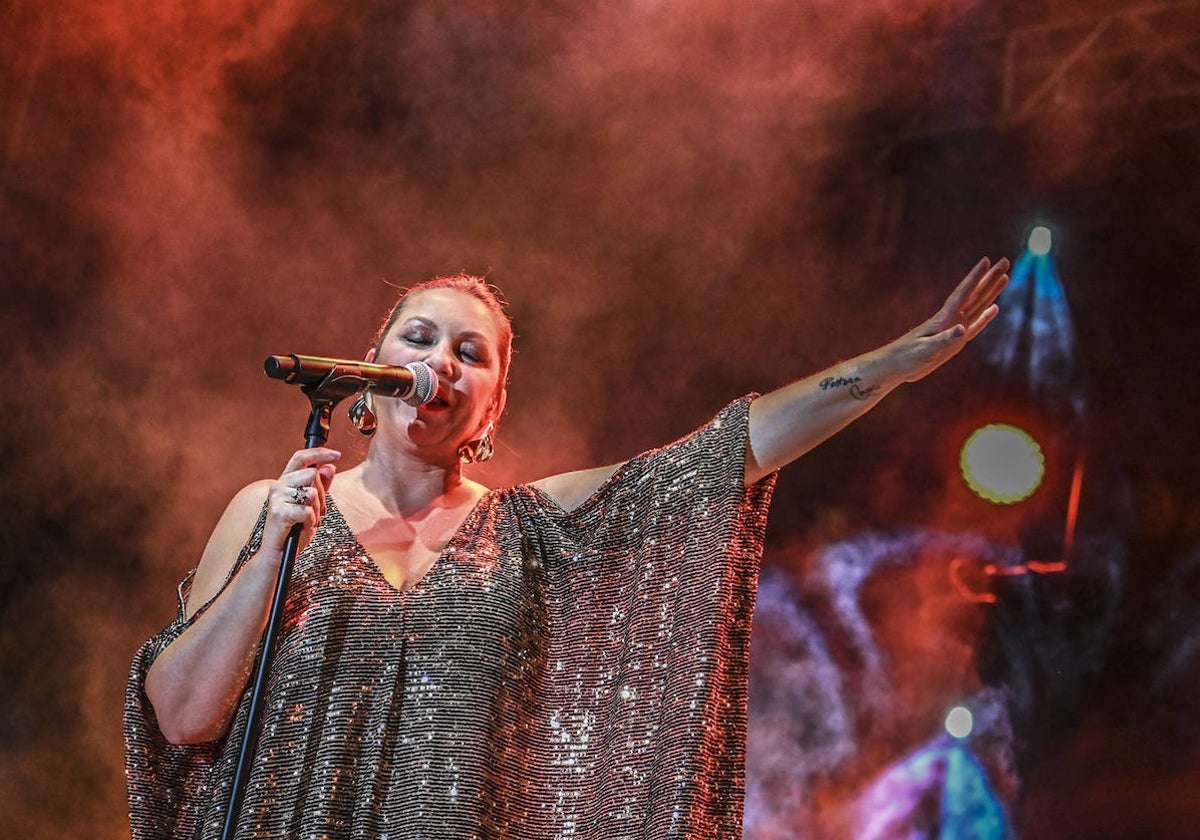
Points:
x=362, y=413
x=475, y=451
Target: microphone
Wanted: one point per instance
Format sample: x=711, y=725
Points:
x=415, y=383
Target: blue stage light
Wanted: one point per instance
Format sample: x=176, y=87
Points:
x=1040, y=241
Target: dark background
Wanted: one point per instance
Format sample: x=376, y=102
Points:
x=683, y=202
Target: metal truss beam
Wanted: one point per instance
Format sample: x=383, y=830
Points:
x=1141, y=62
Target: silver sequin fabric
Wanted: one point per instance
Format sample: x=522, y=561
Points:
x=555, y=675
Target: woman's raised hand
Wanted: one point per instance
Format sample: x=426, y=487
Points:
x=298, y=497
x=968, y=309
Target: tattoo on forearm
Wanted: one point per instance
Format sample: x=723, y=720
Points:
x=857, y=391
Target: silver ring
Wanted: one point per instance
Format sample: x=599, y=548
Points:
x=299, y=495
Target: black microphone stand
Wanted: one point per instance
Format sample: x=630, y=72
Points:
x=322, y=397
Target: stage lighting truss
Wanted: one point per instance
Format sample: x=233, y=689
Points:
x=1138, y=64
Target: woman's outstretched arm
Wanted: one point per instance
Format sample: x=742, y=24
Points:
x=786, y=423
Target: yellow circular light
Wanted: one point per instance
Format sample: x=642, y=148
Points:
x=1002, y=463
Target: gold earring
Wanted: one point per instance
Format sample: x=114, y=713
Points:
x=362, y=413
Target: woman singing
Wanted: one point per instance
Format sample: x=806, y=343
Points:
x=561, y=659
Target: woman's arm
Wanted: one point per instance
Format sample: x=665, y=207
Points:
x=786, y=423
x=194, y=685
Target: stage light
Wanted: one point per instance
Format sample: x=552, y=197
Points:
x=960, y=722
x=1040, y=240
x=1002, y=463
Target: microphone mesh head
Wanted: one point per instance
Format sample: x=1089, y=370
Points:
x=424, y=386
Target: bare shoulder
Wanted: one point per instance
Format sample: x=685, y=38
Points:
x=228, y=537
x=570, y=490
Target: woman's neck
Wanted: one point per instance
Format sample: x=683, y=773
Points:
x=403, y=484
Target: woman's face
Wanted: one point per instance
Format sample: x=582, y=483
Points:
x=456, y=335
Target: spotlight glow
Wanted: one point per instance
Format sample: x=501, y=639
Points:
x=959, y=722
x=1002, y=463
x=1040, y=240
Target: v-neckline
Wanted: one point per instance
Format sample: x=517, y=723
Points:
x=438, y=561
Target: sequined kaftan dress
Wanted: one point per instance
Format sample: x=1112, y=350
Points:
x=555, y=675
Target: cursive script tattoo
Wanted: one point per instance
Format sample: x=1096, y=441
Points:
x=857, y=391
x=838, y=382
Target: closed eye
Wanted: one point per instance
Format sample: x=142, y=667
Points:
x=418, y=338
x=472, y=353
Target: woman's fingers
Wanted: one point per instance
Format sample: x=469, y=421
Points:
x=325, y=474
x=311, y=468
x=963, y=291
x=984, y=318
x=985, y=292
x=298, y=497
x=977, y=291
x=311, y=458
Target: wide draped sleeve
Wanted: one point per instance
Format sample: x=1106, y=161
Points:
x=167, y=782
x=649, y=594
